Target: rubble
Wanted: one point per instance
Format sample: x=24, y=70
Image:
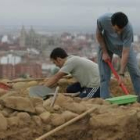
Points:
x=26, y=118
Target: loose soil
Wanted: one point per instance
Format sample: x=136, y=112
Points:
x=26, y=118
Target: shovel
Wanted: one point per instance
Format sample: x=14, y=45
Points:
x=7, y=86
x=122, y=99
x=117, y=77
x=41, y=91
x=27, y=80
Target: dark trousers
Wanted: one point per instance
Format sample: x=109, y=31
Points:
x=84, y=92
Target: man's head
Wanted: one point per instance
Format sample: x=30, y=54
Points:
x=119, y=20
x=58, y=56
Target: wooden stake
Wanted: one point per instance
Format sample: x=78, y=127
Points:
x=54, y=97
x=26, y=80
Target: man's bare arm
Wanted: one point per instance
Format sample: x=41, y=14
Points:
x=50, y=82
x=124, y=59
x=101, y=41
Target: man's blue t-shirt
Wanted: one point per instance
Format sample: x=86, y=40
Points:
x=114, y=42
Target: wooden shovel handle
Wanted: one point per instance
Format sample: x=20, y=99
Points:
x=5, y=86
x=27, y=80
x=54, y=97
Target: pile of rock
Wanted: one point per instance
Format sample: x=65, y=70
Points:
x=26, y=118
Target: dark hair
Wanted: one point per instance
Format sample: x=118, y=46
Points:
x=58, y=52
x=119, y=19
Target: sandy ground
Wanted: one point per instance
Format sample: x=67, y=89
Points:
x=26, y=118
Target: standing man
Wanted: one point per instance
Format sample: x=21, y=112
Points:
x=85, y=71
x=115, y=36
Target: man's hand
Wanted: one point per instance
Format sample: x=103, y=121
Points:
x=67, y=76
x=121, y=80
x=43, y=83
x=106, y=56
x=52, y=81
x=46, y=79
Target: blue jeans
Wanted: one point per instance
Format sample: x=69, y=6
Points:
x=105, y=73
x=84, y=92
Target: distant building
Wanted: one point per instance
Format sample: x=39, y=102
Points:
x=7, y=71
x=23, y=36
x=29, y=39
x=10, y=71
x=10, y=59
x=5, y=39
x=32, y=70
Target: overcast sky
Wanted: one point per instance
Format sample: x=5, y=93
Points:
x=64, y=12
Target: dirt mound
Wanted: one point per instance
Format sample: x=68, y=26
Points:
x=26, y=118
x=116, y=90
x=106, y=122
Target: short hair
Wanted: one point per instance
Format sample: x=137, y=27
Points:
x=119, y=19
x=58, y=52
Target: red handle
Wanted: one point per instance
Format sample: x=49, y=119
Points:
x=5, y=86
x=117, y=77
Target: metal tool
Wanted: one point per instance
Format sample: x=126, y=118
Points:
x=41, y=91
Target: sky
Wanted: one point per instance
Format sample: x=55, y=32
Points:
x=64, y=13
